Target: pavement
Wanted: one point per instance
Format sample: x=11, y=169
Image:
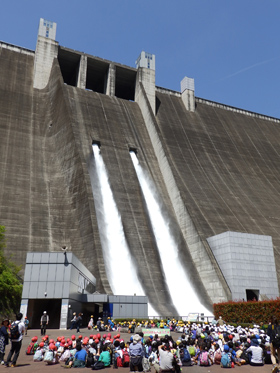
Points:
x=25, y=362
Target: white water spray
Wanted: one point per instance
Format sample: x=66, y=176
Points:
x=182, y=293
x=116, y=254
x=114, y=246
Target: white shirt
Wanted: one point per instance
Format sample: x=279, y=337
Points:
x=257, y=354
x=21, y=329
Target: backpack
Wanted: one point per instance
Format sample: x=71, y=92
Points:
x=185, y=355
x=48, y=356
x=125, y=358
x=146, y=365
x=98, y=365
x=204, y=358
x=38, y=356
x=192, y=350
x=275, y=337
x=119, y=362
x=30, y=349
x=217, y=357
x=14, y=331
x=225, y=361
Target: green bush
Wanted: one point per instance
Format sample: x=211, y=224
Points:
x=248, y=312
x=10, y=283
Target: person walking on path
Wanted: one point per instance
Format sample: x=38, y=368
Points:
x=16, y=333
x=44, y=322
x=26, y=323
x=273, y=331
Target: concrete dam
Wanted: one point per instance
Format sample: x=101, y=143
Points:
x=215, y=170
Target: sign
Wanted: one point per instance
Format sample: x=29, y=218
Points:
x=160, y=332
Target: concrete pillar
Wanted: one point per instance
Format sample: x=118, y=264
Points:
x=82, y=74
x=46, y=51
x=147, y=78
x=146, y=64
x=110, y=87
x=187, y=91
x=23, y=307
x=64, y=314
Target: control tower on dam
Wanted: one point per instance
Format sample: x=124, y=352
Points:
x=214, y=170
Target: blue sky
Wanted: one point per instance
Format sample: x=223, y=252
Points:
x=230, y=48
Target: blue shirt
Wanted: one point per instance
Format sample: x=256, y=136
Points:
x=81, y=355
x=136, y=350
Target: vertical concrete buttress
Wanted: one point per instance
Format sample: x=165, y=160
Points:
x=111, y=81
x=148, y=79
x=82, y=74
x=46, y=51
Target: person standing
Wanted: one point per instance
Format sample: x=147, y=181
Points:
x=26, y=323
x=98, y=324
x=16, y=333
x=273, y=331
x=73, y=321
x=79, y=321
x=4, y=339
x=44, y=322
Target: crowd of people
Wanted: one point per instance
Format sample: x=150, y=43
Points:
x=200, y=344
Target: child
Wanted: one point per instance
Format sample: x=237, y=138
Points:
x=203, y=358
x=39, y=353
x=26, y=323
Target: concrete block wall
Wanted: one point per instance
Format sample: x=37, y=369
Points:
x=54, y=275
x=247, y=262
x=129, y=306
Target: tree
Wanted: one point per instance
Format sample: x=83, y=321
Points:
x=10, y=284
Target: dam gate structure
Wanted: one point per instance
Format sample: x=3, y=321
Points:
x=215, y=169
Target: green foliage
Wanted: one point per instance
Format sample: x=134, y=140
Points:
x=10, y=285
x=248, y=312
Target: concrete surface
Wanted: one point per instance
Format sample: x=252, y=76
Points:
x=216, y=169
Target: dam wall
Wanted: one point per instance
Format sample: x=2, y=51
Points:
x=215, y=168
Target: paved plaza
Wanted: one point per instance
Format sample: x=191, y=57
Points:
x=25, y=363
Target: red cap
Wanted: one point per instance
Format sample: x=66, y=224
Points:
x=73, y=337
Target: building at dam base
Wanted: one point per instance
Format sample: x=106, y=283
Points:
x=215, y=169
x=61, y=285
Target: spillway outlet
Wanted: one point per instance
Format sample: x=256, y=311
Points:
x=96, y=142
x=132, y=150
